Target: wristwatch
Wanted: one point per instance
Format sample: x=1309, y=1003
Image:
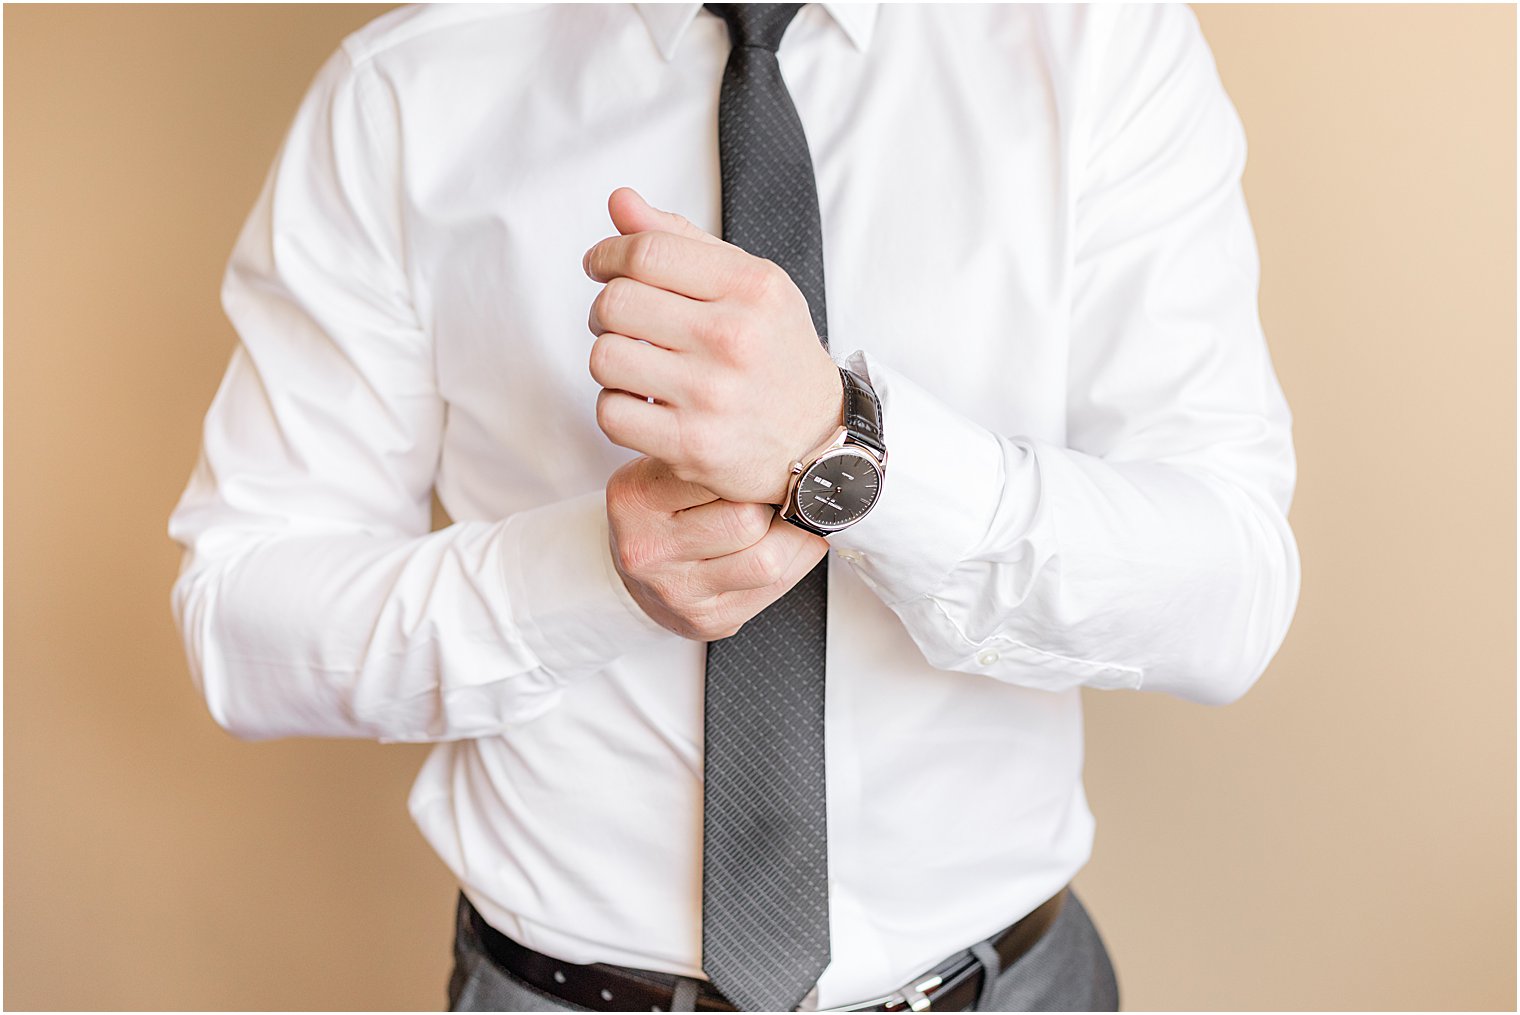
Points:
x=837, y=483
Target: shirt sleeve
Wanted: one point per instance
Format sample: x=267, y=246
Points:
x=1151, y=549
x=312, y=597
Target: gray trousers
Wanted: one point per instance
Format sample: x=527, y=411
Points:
x=1067, y=970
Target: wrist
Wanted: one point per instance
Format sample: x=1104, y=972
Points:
x=830, y=411
x=827, y=414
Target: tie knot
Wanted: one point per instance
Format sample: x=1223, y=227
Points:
x=760, y=25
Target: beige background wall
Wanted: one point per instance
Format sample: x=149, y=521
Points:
x=1342, y=838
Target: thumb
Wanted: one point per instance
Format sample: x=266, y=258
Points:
x=632, y=214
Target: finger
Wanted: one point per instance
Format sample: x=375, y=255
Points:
x=749, y=602
x=719, y=527
x=680, y=264
x=632, y=308
x=773, y=560
x=632, y=214
x=627, y=364
x=631, y=421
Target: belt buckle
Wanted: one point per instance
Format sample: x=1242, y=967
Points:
x=914, y=996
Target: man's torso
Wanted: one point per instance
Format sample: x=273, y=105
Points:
x=944, y=139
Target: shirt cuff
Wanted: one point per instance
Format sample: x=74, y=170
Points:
x=943, y=486
x=573, y=610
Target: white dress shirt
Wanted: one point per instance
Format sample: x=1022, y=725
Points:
x=1038, y=251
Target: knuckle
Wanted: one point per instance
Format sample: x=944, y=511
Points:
x=610, y=418
x=700, y=617
x=711, y=623
x=637, y=556
x=645, y=253
x=626, y=488
x=630, y=558
x=612, y=302
x=664, y=590
x=748, y=523
x=604, y=411
x=601, y=363
x=767, y=564
x=763, y=280
x=594, y=258
x=726, y=631
x=617, y=498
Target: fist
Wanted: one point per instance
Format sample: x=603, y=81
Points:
x=706, y=355
x=699, y=565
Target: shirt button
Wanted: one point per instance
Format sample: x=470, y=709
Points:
x=850, y=555
x=987, y=658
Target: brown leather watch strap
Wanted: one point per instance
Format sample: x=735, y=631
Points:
x=862, y=410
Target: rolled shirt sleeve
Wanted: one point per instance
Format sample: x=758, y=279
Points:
x=1152, y=549
x=312, y=598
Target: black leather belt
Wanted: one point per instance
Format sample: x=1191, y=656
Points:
x=953, y=985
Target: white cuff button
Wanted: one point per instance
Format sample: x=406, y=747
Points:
x=987, y=658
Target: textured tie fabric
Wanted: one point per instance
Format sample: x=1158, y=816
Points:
x=765, y=905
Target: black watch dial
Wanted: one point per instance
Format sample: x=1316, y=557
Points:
x=838, y=490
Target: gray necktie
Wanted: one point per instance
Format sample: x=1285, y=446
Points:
x=765, y=904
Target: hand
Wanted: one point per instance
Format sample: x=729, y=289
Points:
x=698, y=565
x=724, y=344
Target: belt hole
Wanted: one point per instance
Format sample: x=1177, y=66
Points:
x=606, y=994
x=559, y=977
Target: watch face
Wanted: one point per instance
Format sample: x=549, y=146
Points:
x=838, y=490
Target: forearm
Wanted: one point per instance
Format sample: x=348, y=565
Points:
x=1052, y=568
x=458, y=633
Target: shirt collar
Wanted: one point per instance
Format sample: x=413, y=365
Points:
x=668, y=22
